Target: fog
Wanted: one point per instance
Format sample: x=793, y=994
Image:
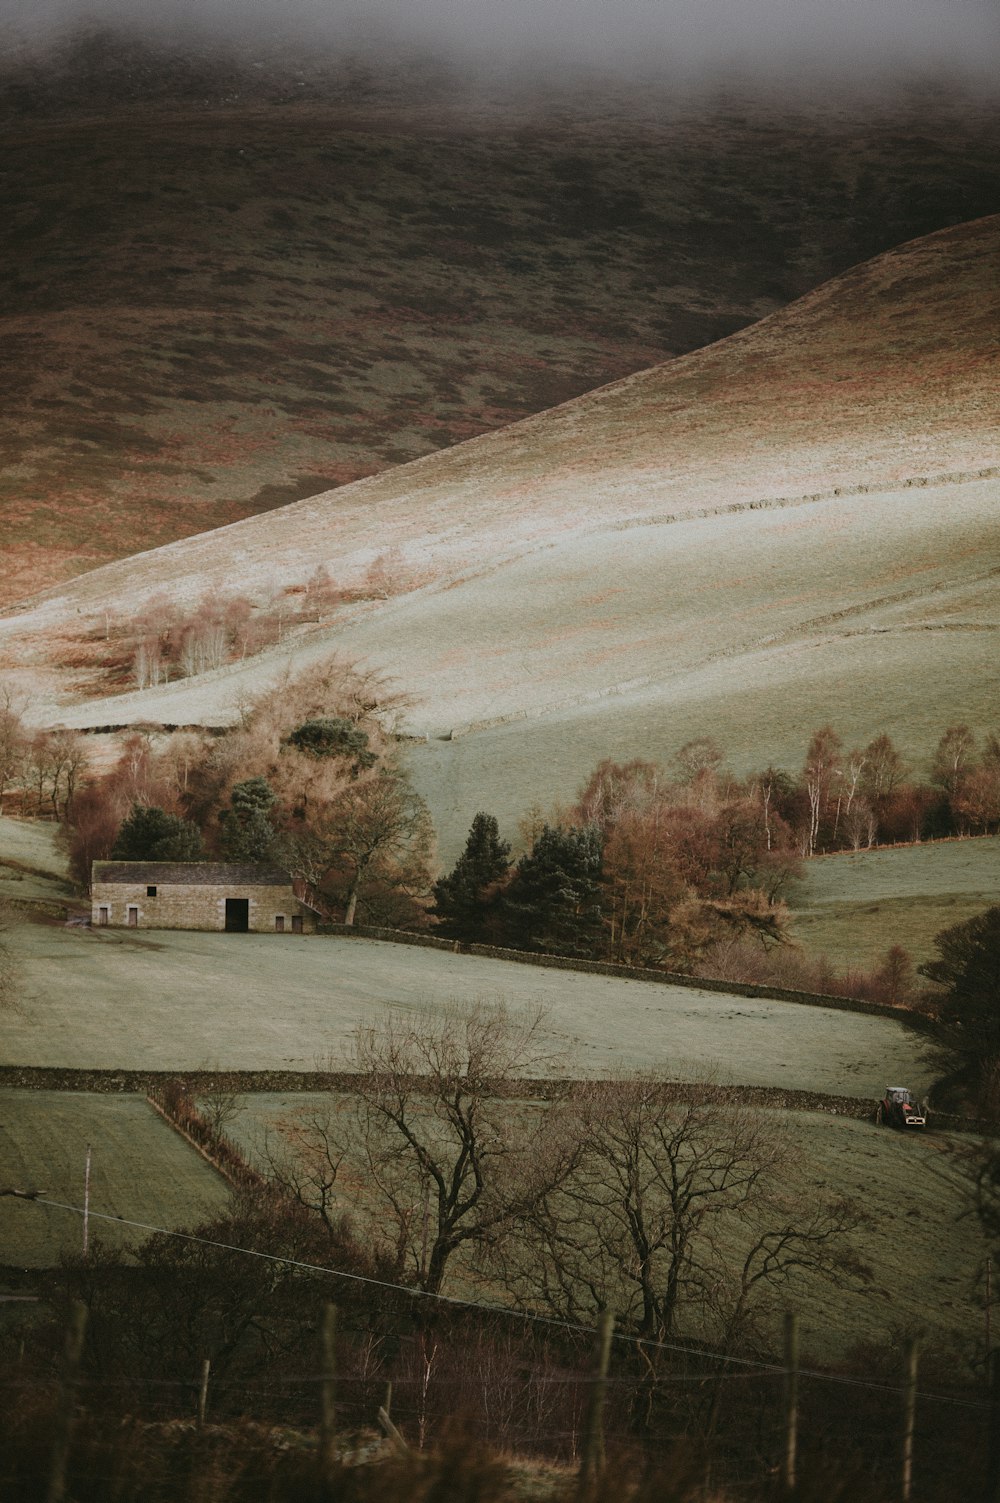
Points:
x=688, y=38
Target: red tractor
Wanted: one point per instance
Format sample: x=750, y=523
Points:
x=898, y=1108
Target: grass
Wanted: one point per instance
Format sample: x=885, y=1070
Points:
x=140, y=1169
x=853, y=907
x=253, y=1002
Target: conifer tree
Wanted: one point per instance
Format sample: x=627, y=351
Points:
x=466, y=899
x=554, y=902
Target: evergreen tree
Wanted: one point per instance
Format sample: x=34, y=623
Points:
x=247, y=832
x=466, y=899
x=553, y=903
x=334, y=736
x=969, y=967
x=148, y=833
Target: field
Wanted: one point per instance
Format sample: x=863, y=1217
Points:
x=923, y=1255
x=140, y=1169
x=167, y=1000
x=852, y=907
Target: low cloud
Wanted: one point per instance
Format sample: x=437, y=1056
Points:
x=686, y=37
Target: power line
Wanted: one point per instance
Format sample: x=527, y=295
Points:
x=771, y=1368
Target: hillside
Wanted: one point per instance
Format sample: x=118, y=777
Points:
x=296, y=276
x=796, y=525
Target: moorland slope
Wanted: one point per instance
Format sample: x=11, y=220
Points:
x=228, y=283
x=798, y=524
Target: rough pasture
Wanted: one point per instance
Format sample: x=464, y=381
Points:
x=852, y=907
x=140, y=1169
x=307, y=292
x=166, y=1000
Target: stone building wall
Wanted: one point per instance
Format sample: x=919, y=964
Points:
x=196, y=906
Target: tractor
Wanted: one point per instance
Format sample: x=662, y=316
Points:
x=899, y=1108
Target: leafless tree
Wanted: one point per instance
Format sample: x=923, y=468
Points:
x=675, y=1214
x=433, y=1150
x=13, y=741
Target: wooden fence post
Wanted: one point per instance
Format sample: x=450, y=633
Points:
x=62, y=1425
x=206, y=1368
x=993, y=1454
x=790, y=1406
x=328, y=1429
x=909, y=1423
x=592, y=1460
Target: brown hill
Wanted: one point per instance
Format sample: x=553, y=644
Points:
x=217, y=300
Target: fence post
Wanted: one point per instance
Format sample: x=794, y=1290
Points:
x=592, y=1461
x=993, y=1461
x=790, y=1419
x=328, y=1432
x=909, y=1423
x=206, y=1368
x=62, y=1425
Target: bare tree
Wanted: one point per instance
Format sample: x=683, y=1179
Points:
x=13, y=741
x=674, y=1214
x=437, y=1155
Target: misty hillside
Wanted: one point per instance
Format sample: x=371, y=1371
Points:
x=796, y=525
x=228, y=283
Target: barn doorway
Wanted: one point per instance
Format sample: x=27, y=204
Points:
x=237, y=915
x=133, y=918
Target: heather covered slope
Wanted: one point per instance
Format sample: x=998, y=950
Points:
x=226, y=286
x=799, y=524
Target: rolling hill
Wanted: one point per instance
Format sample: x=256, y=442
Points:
x=228, y=283
x=798, y=524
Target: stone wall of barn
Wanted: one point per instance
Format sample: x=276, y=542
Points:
x=179, y=905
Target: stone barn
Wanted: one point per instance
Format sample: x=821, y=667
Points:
x=199, y=895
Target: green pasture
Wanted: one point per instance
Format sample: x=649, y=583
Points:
x=170, y=1000
x=921, y=1257
x=140, y=1170
x=854, y=906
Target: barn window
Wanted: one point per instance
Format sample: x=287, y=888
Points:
x=151, y=892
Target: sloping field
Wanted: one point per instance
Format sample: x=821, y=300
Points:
x=297, y=277
x=726, y=545
x=164, y=1001
x=852, y=907
x=915, y=1189
x=140, y=1169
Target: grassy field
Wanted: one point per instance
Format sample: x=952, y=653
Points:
x=852, y=907
x=166, y=1000
x=140, y=1169
x=915, y=1190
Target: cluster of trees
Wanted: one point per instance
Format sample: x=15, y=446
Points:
x=169, y=640
x=43, y=769
x=644, y=869
x=309, y=780
x=855, y=799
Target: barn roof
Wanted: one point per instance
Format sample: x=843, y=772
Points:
x=190, y=874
